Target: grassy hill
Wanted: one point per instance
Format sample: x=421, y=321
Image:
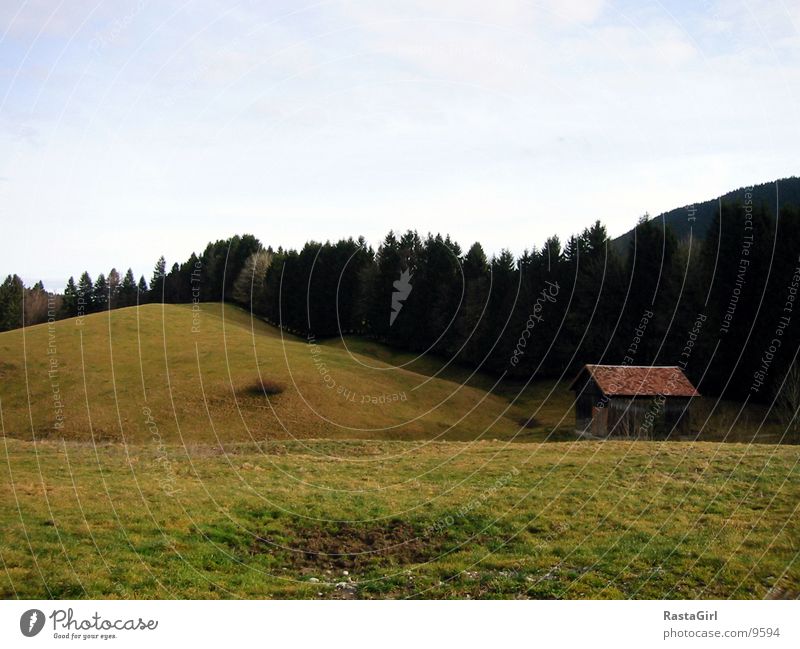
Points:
x=175, y=475
x=785, y=191
x=210, y=383
x=218, y=376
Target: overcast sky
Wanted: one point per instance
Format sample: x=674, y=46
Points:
x=140, y=128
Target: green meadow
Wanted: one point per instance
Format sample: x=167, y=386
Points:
x=158, y=452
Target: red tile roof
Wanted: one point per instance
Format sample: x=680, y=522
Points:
x=637, y=380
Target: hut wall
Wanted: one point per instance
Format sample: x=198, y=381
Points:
x=588, y=398
x=600, y=418
x=623, y=419
x=648, y=417
x=635, y=417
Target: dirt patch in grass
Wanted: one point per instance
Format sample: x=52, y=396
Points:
x=261, y=387
x=351, y=546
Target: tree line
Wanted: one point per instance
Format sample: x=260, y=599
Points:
x=709, y=305
x=221, y=262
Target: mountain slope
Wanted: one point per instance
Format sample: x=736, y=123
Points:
x=785, y=191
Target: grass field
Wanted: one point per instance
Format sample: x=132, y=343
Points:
x=150, y=463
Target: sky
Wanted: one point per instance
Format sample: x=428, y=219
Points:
x=136, y=128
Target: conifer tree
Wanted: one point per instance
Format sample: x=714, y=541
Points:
x=11, y=297
x=69, y=304
x=127, y=294
x=85, y=295
x=114, y=287
x=100, y=298
x=143, y=292
x=157, y=282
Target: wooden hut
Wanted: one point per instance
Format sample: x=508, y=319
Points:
x=642, y=402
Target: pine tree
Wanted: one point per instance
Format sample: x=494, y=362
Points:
x=127, y=295
x=472, y=322
x=113, y=289
x=11, y=296
x=502, y=302
x=551, y=254
x=191, y=278
x=389, y=264
x=85, y=295
x=142, y=291
x=351, y=259
x=585, y=334
x=172, y=285
x=69, y=306
x=157, y=283
x=100, y=293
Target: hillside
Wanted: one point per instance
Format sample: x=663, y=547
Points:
x=787, y=190
x=200, y=376
x=141, y=374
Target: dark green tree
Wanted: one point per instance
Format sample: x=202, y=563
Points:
x=127, y=289
x=85, y=294
x=157, y=282
x=114, y=287
x=100, y=298
x=143, y=292
x=11, y=308
x=69, y=306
